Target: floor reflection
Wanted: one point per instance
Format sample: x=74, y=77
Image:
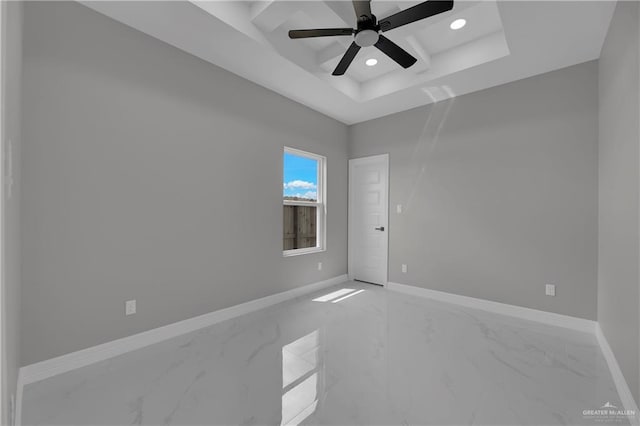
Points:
x=333, y=295
x=363, y=355
x=301, y=378
x=338, y=295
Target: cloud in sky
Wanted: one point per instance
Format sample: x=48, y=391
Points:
x=312, y=195
x=309, y=195
x=299, y=184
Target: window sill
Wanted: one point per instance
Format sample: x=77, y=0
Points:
x=300, y=252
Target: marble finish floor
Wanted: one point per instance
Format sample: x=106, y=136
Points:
x=367, y=356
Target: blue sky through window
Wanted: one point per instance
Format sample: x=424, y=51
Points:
x=300, y=177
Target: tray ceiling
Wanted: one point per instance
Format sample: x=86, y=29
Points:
x=503, y=41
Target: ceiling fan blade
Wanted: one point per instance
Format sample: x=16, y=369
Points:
x=395, y=52
x=324, y=32
x=346, y=59
x=362, y=8
x=415, y=13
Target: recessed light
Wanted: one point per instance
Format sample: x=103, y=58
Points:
x=371, y=62
x=458, y=23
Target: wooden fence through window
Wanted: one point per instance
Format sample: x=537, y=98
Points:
x=299, y=227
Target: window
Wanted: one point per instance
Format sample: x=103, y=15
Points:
x=303, y=197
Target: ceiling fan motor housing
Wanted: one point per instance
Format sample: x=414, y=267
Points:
x=367, y=32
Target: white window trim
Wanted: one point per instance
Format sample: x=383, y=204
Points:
x=321, y=204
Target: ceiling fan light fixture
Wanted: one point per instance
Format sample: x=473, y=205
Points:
x=366, y=38
x=371, y=62
x=458, y=23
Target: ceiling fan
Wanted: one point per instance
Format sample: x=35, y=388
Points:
x=369, y=28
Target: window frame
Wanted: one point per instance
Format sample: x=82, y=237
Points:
x=320, y=203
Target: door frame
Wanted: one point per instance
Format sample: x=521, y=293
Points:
x=352, y=163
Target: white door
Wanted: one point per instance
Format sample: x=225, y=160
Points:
x=368, y=218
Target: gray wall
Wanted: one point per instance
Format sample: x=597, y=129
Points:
x=619, y=187
x=149, y=174
x=12, y=128
x=499, y=190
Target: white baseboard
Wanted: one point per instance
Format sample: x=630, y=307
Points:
x=626, y=397
x=551, y=318
x=54, y=366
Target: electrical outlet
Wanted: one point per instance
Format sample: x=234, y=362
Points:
x=550, y=289
x=399, y=208
x=404, y=268
x=130, y=307
x=319, y=266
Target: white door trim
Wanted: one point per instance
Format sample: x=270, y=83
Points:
x=352, y=163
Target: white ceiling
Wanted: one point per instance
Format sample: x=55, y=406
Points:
x=503, y=41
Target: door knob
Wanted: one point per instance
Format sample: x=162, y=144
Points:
x=380, y=228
